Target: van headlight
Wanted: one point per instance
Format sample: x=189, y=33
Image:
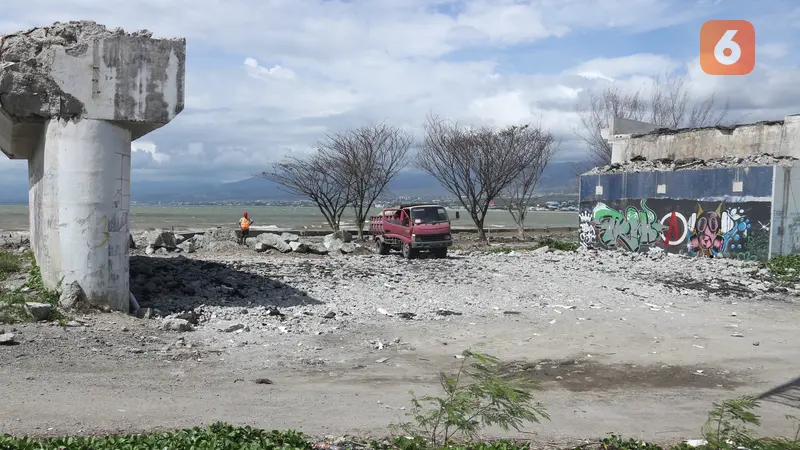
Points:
x=448, y=237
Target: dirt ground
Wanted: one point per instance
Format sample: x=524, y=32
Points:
x=621, y=347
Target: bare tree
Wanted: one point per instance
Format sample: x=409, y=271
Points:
x=317, y=177
x=670, y=105
x=475, y=165
x=518, y=193
x=369, y=157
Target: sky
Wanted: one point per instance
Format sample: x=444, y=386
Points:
x=268, y=78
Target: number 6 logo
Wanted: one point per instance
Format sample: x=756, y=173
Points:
x=727, y=47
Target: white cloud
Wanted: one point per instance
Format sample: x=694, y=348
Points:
x=625, y=66
x=775, y=50
x=151, y=149
x=276, y=72
x=268, y=78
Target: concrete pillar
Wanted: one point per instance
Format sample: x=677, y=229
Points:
x=80, y=198
x=73, y=98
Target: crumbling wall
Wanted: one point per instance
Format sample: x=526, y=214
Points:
x=640, y=164
x=777, y=138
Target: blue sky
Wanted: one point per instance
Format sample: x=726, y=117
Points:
x=268, y=78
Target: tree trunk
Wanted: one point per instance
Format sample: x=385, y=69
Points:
x=360, y=225
x=521, y=225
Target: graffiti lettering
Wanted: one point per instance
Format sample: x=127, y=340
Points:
x=673, y=235
x=631, y=230
x=588, y=235
x=678, y=226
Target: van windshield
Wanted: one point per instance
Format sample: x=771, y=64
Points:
x=429, y=214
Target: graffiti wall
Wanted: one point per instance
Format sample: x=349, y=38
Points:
x=698, y=228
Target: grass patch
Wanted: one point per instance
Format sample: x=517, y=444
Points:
x=12, y=300
x=10, y=263
x=218, y=436
x=785, y=268
x=557, y=244
x=224, y=436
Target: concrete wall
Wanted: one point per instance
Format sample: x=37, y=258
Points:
x=715, y=212
x=778, y=138
x=786, y=211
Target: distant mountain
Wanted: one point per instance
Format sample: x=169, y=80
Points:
x=558, y=177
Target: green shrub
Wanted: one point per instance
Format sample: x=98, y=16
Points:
x=786, y=268
x=478, y=395
x=557, y=244
x=12, y=301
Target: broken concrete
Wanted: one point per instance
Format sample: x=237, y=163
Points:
x=632, y=139
x=72, y=98
x=640, y=164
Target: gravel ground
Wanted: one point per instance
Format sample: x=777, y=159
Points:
x=633, y=344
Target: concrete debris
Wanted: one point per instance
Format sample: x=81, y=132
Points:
x=187, y=246
x=8, y=339
x=665, y=165
x=225, y=239
x=274, y=241
x=171, y=324
x=38, y=310
x=298, y=247
x=162, y=238
x=289, y=237
x=72, y=296
x=235, y=327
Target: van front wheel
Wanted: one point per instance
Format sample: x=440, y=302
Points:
x=408, y=252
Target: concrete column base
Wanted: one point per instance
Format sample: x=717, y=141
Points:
x=79, y=197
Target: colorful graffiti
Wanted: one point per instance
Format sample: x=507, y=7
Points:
x=631, y=229
x=705, y=229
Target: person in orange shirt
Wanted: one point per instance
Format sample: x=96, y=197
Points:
x=244, y=226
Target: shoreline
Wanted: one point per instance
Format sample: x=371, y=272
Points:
x=255, y=231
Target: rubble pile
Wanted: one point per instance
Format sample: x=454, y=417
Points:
x=322, y=295
x=665, y=165
x=226, y=239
